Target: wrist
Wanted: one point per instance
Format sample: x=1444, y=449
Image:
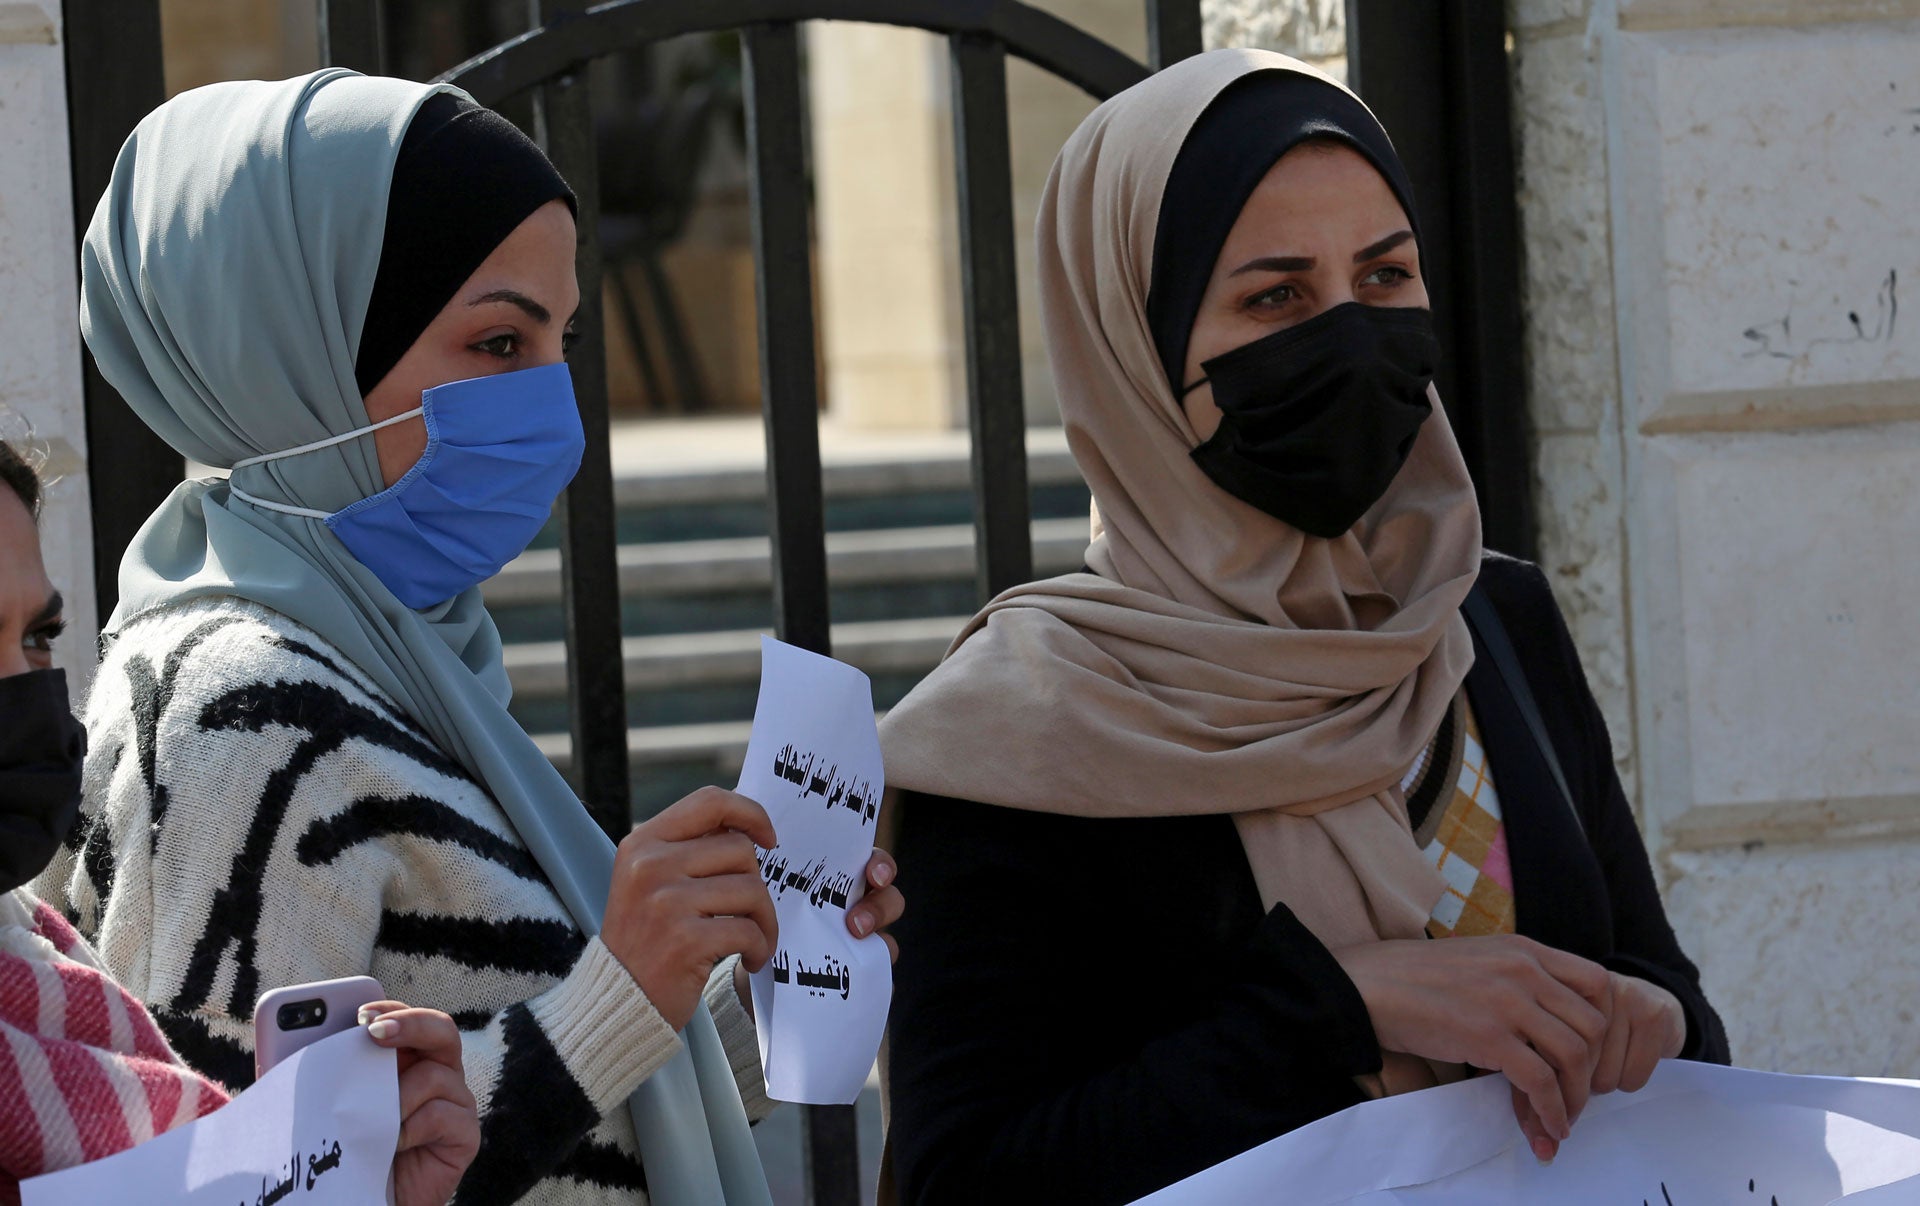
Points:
x=743, y=987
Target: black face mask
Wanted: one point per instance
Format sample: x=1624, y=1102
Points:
x=41, y=750
x=1317, y=419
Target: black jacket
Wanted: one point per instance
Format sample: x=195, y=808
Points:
x=1086, y=1010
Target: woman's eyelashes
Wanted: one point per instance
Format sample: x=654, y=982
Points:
x=509, y=346
x=1379, y=281
x=500, y=347
x=41, y=637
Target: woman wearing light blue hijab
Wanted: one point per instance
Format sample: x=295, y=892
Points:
x=354, y=293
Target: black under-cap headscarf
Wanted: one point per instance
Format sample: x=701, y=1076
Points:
x=1242, y=134
x=465, y=178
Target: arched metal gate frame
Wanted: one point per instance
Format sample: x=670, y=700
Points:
x=1436, y=73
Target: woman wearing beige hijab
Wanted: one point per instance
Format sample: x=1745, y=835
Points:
x=1289, y=724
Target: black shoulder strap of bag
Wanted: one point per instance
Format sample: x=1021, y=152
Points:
x=1493, y=634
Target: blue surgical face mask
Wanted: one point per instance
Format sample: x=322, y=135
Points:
x=499, y=451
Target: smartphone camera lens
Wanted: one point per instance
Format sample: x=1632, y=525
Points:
x=301, y=1015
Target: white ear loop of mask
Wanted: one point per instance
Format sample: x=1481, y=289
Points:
x=316, y=446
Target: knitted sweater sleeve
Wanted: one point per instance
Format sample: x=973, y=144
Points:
x=261, y=817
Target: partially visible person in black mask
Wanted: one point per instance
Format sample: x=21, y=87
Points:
x=41, y=744
x=66, y=1039
x=1184, y=825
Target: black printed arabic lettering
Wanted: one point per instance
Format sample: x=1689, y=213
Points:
x=780, y=968
x=317, y=1165
x=279, y=1189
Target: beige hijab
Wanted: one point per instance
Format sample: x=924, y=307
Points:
x=1216, y=660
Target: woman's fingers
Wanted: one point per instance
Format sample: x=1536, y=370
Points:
x=1608, y=1073
x=1642, y=1057
x=427, y=1034
x=428, y=1081
x=1533, y=1076
x=735, y=895
x=452, y=1130
x=1570, y=1057
x=710, y=809
x=877, y=911
x=742, y=936
x=729, y=852
x=881, y=869
x=1543, y=1146
x=1583, y=976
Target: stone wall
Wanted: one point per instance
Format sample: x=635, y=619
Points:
x=1716, y=205
x=40, y=372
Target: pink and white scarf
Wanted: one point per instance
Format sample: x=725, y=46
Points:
x=84, y=1072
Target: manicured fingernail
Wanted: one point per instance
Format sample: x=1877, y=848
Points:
x=862, y=924
x=1543, y=1149
x=883, y=875
x=385, y=1028
x=367, y=1014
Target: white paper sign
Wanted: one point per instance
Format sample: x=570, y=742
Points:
x=318, y=1130
x=1697, y=1134
x=814, y=764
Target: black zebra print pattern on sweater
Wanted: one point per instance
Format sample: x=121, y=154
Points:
x=257, y=814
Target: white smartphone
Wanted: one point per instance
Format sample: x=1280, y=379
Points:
x=300, y=1015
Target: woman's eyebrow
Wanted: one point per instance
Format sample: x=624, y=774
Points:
x=1276, y=263
x=51, y=608
x=534, y=309
x=1382, y=247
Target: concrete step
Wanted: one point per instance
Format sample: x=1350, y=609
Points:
x=740, y=564
x=695, y=659
x=669, y=761
x=941, y=462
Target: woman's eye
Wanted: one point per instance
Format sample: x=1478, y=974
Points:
x=567, y=342
x=503, y=346
x=1387, y=274
x=1272, y=298
x=41, y=640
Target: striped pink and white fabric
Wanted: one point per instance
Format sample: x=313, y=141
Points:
x=84, y=1072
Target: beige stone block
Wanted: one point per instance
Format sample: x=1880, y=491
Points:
x=1775, y=635
x=1531, y=15
x=1767, y=224
x=1315, y=30
x=1582, y=553
x=1706, y=14
x=885, y=224
x=1571, y=354
x=1807, y=953
x=206, y=41
x=899, y=394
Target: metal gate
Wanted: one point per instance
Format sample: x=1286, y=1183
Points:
x=1458, y=151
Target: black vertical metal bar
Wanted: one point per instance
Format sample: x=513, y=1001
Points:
x=596, y=674
x=114, y=79
x=352, y=34
x=1173, y=31
x=783, y=278
x=789, y=397
x=1003, y=537
x=1486, y=290
x=1393, y=61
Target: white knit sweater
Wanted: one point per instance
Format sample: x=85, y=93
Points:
x=257, y=814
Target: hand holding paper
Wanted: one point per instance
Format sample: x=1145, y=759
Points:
x=813, y=762
x=1698, y=1133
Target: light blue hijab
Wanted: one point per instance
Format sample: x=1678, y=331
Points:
x=224, y=282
